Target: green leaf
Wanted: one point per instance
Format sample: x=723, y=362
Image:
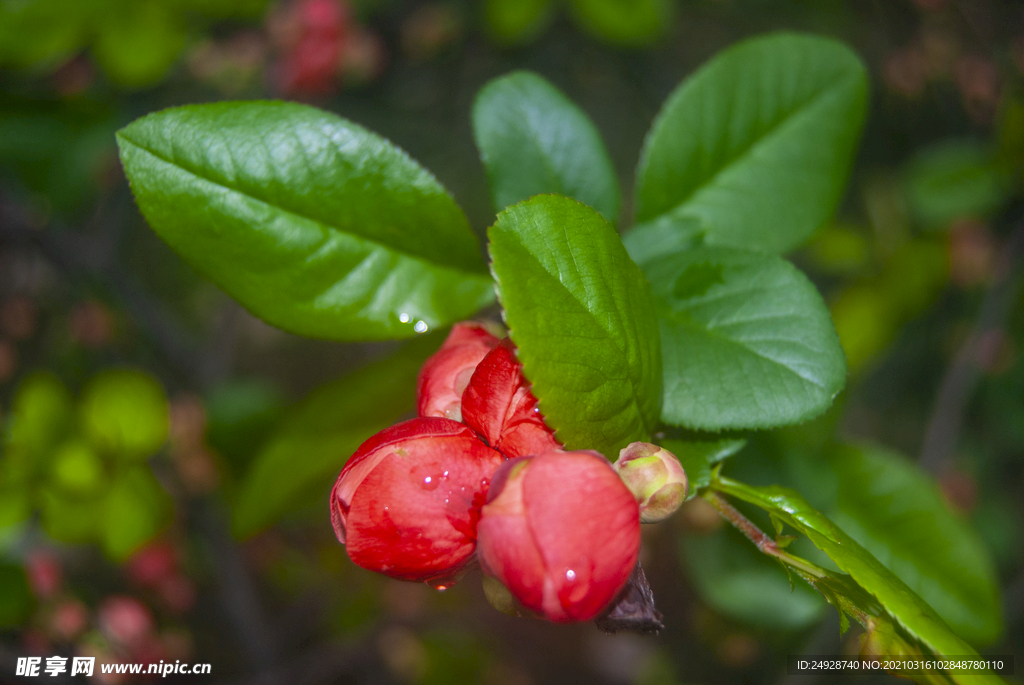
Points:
x=514, y=22
x=15, y=596
x=124, y=413
x=534, y=140
x=952, y=180
x=240, y=415
x=70, y=519
x=41, y=415
x=139, y=42
x=898, y=514
x=581, y=314
x=135, y=511
x=318, y=435
x=756, y=146
x=906, y=607
x=313, y=223
x=77, y=469
x=737, y=580
x=700, y=455
x=747, y=341
x=42, y=31
x=630, y=23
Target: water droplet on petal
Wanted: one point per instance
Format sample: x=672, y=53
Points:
x=570, y=575
x=444, y=475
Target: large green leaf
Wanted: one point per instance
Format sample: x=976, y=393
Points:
x=897, y=513
x=747, y=341
x=534, y=140
x=318, y=435
x=313, y=223
x=756, y=146
x=581, y=314
x=902, y=603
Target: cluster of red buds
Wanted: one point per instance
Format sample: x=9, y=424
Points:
x=479, y=475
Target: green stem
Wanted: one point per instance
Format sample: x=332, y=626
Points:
x=764, y=543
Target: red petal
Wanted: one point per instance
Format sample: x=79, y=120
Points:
x=498, y=404
x=563, y=534
x=586, y=521
x=369, y=454
x=444, y=376
x=413, y=516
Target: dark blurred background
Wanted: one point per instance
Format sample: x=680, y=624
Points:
x=135, y=396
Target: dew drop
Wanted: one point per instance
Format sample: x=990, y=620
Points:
x=570, y=575
x=403, y=317
x=421, y=327
x=440, y=584
x=536, y=410
x=444, y=475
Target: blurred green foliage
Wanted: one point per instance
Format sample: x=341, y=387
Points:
x=78, y=462
x=134, y=41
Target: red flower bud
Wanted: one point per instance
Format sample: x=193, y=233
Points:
x=498, y=405
x=407, y=502
x=446, y=374
x=562, y=532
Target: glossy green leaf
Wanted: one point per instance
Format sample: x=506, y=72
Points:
x=318, y=435
x=756, y=146
x=954, y=179
x=628, y=23
x=15, y=596
x=737, y=580
x=906, y=607
x=513, y=22
x=898, y=514
x=699, y=455
x=747, y=341
x=534, y=140
x=313, y=223
x=135, y=510
x=124, y=413
x=581, y=314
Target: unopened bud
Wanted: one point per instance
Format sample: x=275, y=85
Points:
x=655, y=477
